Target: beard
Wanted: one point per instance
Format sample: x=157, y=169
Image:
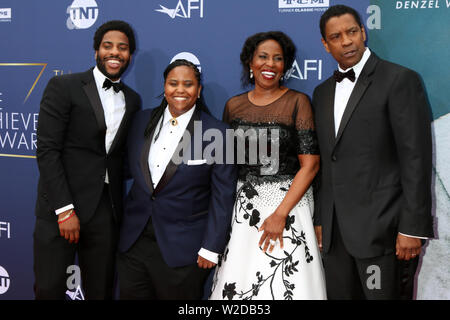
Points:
x=101, y=66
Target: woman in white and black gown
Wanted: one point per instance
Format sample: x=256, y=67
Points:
x=272, y=252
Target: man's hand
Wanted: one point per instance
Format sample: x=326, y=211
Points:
x=407, y=247
x=204, y=263
x=70, y=228
x=318, y=231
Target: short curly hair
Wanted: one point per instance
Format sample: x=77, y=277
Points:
x=252, y=42
x=337, y=11
x=115, y=25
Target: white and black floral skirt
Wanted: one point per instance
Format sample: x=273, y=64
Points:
x=245, y=272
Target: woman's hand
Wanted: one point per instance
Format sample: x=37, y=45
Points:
x=204, y=263
x=273, y=228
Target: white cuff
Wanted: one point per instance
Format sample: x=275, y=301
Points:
x=61, y=210
x=407, y=235
x=209, y=255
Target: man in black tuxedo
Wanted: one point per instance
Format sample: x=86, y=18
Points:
x=83, y=124
x=373, y=206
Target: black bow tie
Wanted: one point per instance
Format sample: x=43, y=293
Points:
x=339, y=76
x=117, y=86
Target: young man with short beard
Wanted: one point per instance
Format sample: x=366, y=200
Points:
x=83, y=123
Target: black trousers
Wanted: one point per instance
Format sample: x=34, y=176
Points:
x=378, y=278
x=96, y=251
x=144, y=275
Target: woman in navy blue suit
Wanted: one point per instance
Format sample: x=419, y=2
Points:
x=176, y=215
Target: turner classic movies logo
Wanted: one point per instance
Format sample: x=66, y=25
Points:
x=185, y=9
x=302, y=5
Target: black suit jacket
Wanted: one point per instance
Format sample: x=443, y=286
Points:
x=71, y=152
x=376, y=173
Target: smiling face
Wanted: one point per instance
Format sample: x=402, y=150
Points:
x=267, y=64
x=113, y=55
x=181, y=90
x=344, y=40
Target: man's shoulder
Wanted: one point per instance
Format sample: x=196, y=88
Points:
x=386, y=67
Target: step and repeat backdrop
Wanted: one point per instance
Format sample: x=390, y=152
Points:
x=41, y=39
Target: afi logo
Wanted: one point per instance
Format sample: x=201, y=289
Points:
x=183, y=11
x=313, y=67
x=82, y=14
x=5, y=228
x=4, y=280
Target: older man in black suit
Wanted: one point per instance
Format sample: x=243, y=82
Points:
x=83, y=124
x=374, y=195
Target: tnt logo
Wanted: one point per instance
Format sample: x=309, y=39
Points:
x=82, y=14
x=183, y=11
x=4, y=280
x=5, y=230
x=188, y=56
x=303, y=3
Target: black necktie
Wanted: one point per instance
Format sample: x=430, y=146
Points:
x=117, y=86
x=339, y=76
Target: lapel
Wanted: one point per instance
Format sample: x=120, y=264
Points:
x=172, y=167
x=144, y=160
x=90, y=89
x=363, y=82
x=328, y=105
x=125, y=118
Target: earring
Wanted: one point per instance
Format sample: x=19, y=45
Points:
x=251, y=73
x=282, y=78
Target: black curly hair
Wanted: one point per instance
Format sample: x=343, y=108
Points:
x=337, y=11
x=252, y=42
x=115, y=25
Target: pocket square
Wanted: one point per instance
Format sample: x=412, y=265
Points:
x=196, y=162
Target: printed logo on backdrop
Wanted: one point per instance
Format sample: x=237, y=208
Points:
x=82, y=14
x=5, y=14
x=5, y=230
x=74, y=291
x=184, y=9
x=17, y=124
x=188, y=56
x=309, y=69
x=287, y=6
x=4, y=280
x=421, y=4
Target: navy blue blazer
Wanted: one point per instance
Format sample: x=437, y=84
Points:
x=191, y=207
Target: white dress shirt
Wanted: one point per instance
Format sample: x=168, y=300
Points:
x=161, y=152
x=343, y=91
x=113, y=108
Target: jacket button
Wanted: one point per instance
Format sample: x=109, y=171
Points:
x=153, y=197
x=333, y=158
